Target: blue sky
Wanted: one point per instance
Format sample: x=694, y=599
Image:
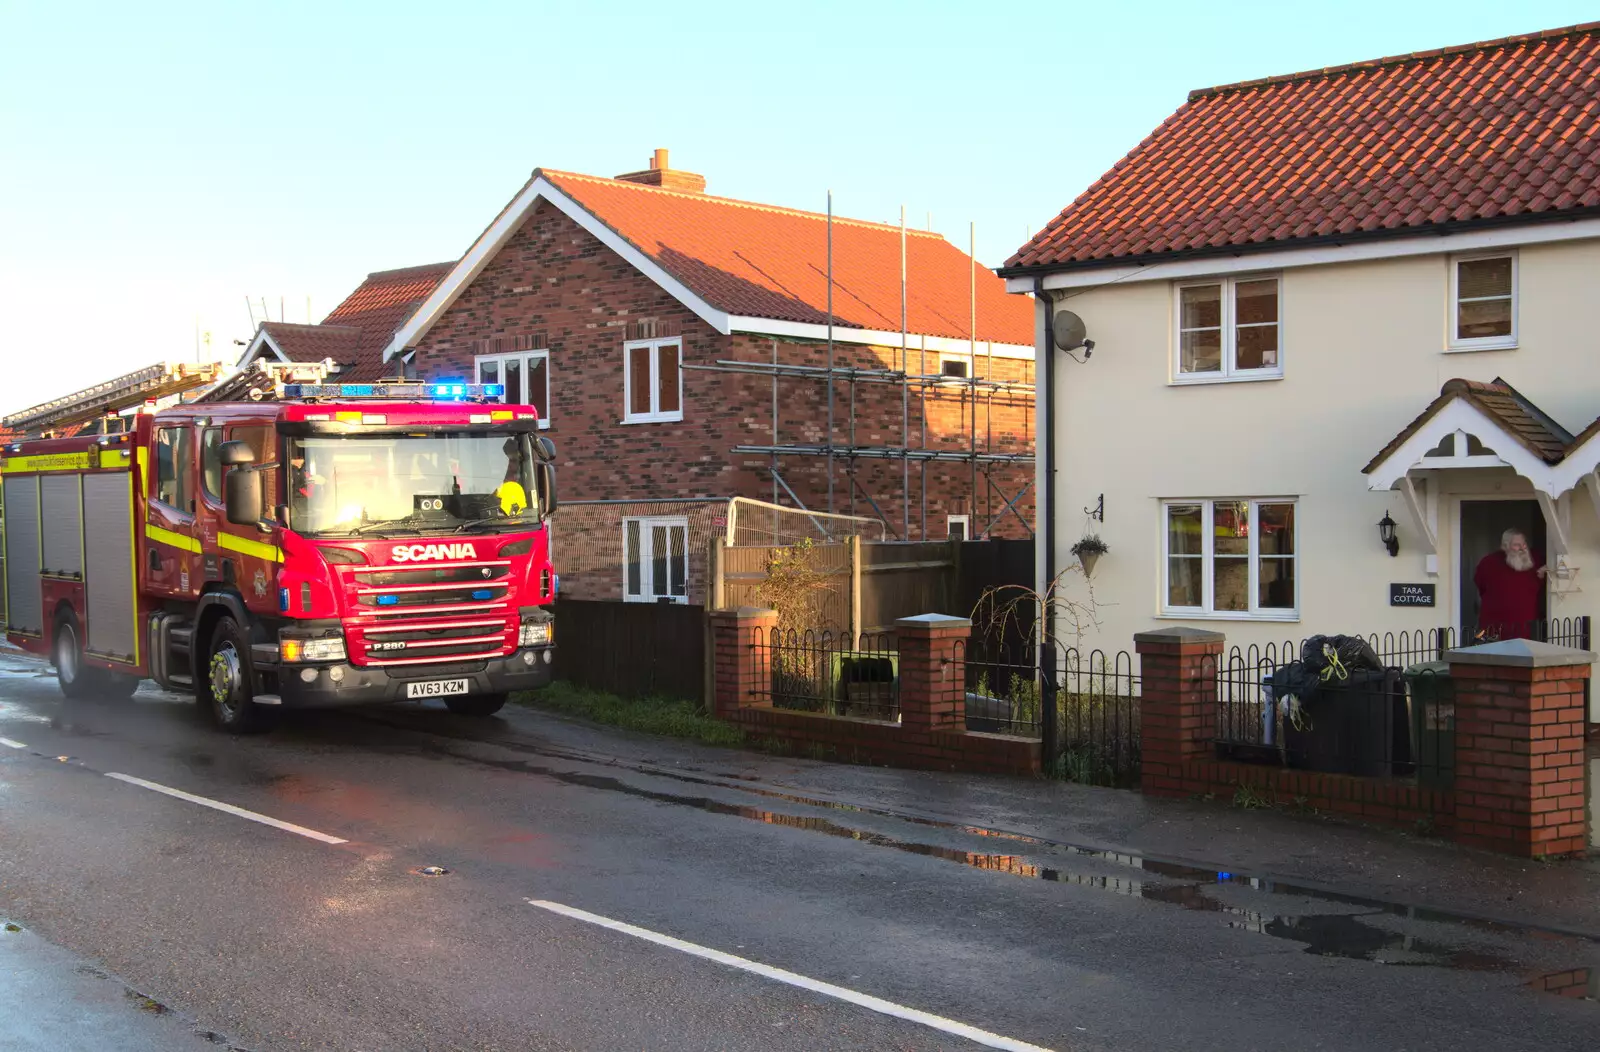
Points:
x=162, y=161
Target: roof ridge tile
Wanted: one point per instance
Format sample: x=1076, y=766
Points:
x=740, y=203
x=1327, y=72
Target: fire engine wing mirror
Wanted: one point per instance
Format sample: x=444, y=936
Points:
x=547, y=486
x=545, y=447
x=234, y=454
x=242, y=495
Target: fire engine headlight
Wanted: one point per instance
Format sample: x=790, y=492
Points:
x=536, y=634
x=293, y=651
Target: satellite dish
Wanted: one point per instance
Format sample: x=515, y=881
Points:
x=1070, y=332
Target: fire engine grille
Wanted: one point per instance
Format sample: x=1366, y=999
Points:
x=470, y=574
x=403, y=597
x=421, y=615
x=421, y=642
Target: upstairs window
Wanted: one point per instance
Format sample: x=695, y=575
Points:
x=1228, y=329
x=956, y=367
x=652, y=380
x=1483, y=298
x=526, y=376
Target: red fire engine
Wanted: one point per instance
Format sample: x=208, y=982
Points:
x=277, y=543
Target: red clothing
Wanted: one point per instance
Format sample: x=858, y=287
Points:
x=1509, y=599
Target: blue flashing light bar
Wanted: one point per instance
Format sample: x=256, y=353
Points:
x=388, y=600
x=412, y=390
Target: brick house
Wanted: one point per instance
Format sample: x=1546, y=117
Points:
x=678, y=346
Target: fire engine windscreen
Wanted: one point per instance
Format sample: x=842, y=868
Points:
x=399, y=485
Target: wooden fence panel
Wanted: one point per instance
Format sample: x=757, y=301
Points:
x=632, y=649
x=904, y=579
x=744, y=568
x=896, y=579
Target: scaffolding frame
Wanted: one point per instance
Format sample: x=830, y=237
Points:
x=975, y=391
x=925, y=384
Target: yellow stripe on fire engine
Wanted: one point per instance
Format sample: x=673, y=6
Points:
x=348, y=418
x=245, y=546
x=47, y=462
x=177, y=540
x=497, y=415
x=115, y=458
x=144, y=471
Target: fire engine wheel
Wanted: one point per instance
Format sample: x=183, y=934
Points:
x=475, y=704
x=77, y=679
x=227, y=682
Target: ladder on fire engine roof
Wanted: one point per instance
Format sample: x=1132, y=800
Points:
x=263, y=380
x=161, y=380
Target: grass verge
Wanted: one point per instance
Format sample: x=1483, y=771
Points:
x=671, y=717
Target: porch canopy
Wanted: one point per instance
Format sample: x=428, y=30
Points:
x=1475, y=425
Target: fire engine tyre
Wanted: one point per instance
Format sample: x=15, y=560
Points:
x=475, y=704
x=77, y=679
x=227, y=680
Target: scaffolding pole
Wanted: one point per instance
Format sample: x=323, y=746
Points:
x=885, y=453
x=830, y=350
x=905, y=389
x=885, y=376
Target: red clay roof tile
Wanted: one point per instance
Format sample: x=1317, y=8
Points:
x=755, y=260
x=355, y=332
x=1393, y=143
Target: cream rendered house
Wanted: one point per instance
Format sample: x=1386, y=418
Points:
x=1282, y=284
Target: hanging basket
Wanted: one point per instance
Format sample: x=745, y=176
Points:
x=1087, y=561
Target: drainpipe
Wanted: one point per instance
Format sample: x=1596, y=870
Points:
x=1047, y=513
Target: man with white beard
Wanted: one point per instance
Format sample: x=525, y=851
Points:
x=1509, y=582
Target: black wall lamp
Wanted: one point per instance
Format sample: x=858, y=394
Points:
x=1386, y=534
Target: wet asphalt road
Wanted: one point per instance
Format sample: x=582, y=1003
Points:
x=281, y=941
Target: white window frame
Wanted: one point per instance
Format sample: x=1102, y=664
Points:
x=1208, y=563
x=966, y=525
x=1455, y=343
x=1228, y=374
x=647, y=593
x=655, y=415
x=524, y=357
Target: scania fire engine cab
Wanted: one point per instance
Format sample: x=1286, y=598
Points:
x=280, y=541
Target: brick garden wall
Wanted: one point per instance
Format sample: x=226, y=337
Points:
x=1519, y=732
x=931, y=734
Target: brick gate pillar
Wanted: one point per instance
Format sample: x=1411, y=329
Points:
x=1177, y=703
x=1519, y=725
x=741, y=658
x=933, y=671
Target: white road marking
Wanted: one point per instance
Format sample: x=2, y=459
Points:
x=14, y=745
x=876, y=1004
x=288, y=827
